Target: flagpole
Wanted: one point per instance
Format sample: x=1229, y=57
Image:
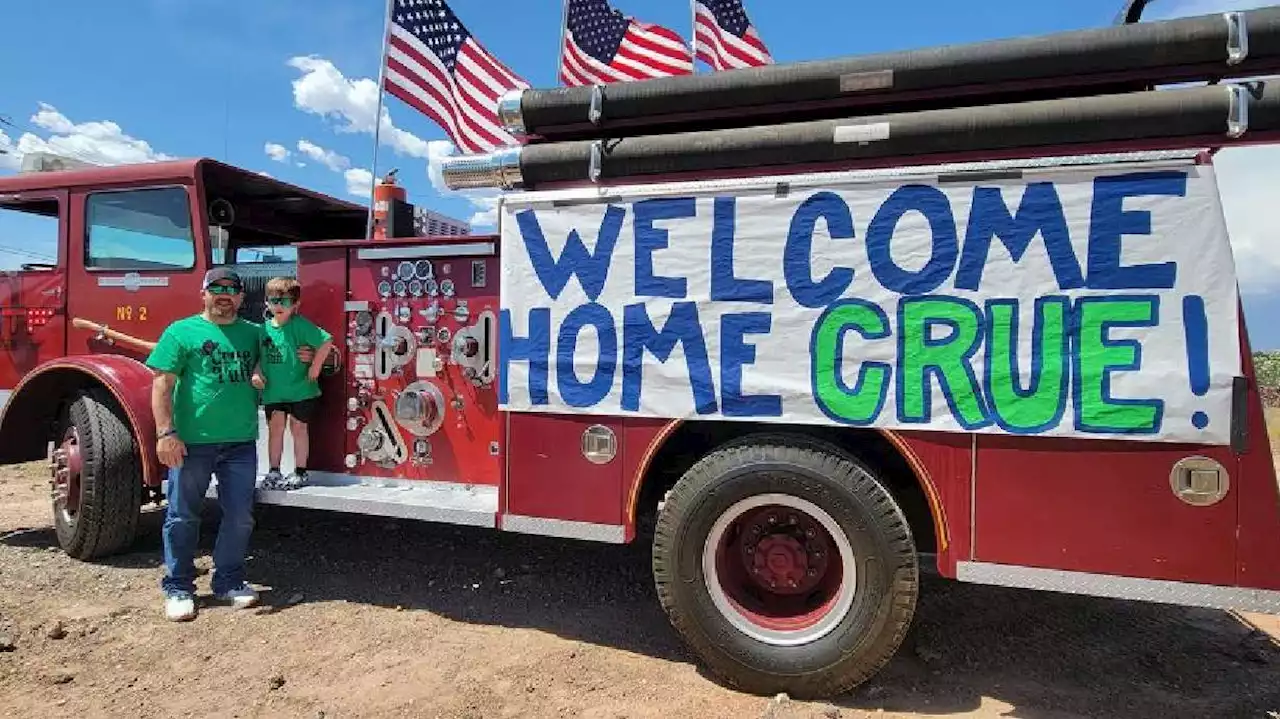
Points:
x=564, y=30
x=693, y=37
x=377, y=116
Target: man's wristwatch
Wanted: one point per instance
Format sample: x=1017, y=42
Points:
x=167, y=433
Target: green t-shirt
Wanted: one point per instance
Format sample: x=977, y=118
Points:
x=214, y=400
x=285, y=374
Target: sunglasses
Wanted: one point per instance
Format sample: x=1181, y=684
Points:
x=282, y=301
x=222, y=290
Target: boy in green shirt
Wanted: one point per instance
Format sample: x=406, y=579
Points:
x=290, y=391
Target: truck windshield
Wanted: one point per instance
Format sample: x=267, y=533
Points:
x=139, y=230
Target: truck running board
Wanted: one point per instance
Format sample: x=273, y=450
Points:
x=474, y=505
x=447, y=502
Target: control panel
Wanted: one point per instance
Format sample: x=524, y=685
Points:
x=422, y=332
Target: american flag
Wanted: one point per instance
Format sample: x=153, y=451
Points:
x=724, y=38
x=602, y=46
x=435, y=66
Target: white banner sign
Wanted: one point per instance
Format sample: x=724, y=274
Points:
x=1077, y=303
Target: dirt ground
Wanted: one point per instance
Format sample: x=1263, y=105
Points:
x=366, y=617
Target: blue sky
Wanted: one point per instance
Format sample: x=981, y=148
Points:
x=141, y=79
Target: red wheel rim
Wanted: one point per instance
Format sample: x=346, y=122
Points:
x=66, y=465
x=779, y=569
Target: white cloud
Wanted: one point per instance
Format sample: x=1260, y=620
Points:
x=352, y=105
x=1249, y=186
x=323, y=90
x=276, y=151
x=328, y=158
x=95, y=142
x=9, y=157
x=359, y=181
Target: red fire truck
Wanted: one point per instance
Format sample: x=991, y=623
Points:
x=787, y=535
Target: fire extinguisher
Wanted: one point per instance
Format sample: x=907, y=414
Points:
x=384, y=194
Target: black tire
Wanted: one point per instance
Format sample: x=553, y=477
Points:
x=106, y=520
x=883, y=597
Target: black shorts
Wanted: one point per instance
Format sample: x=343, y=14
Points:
x=302, y=410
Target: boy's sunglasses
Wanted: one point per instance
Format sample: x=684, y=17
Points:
x=282, y=301
x=223, y=290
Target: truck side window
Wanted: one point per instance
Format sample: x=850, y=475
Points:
x=29, y=235
x=139, y=230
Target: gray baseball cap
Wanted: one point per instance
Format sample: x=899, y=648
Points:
x=221, y=274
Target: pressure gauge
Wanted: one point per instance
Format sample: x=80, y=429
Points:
x=461, y=313
x=384, y=288
x=403, y=313
x=405, y=270
x=401, y=288
x=415, y=288
x=447, y=288
x=433, y=289
x=422, y=269
x=443, y=335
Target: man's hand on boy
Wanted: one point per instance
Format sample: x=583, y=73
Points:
x=258, y=381
x=306, y=353
x=313, y=373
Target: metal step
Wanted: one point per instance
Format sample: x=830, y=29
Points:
x=453, y=503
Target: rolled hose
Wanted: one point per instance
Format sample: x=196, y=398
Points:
x=1161, y=117
x=1094, y=61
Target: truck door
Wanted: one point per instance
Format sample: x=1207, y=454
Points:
x=136, y=264
x=33, y=238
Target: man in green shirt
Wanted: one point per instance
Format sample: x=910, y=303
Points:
x=206, y=413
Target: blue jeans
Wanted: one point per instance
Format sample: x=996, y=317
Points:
x=236, y=465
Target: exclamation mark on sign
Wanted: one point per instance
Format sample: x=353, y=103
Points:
x=1197, y=329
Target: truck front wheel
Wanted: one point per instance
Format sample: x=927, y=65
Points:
x=96, y=473
x=786, y=565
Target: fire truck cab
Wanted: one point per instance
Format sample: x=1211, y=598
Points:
x=131, y=246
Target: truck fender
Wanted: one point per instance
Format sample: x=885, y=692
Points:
x=919, y=471
x=34, y=405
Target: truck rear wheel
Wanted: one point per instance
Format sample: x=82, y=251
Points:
x=786, y=565
x=97, y=485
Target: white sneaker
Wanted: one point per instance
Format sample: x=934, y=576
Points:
x=179, y=607
x=242, y=597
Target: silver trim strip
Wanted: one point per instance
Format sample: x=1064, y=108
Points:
x=459, y=249
x=567, y=529
x=4, y=397
x=133, y=281
x=1117, y=587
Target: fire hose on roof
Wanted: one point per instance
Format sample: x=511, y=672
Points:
x=1213, y=115
x=1108, y=60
